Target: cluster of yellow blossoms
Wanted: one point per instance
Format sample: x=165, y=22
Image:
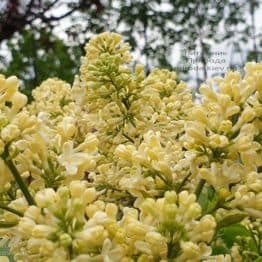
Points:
x=127, y=167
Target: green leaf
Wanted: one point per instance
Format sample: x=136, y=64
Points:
x=203, y=201
x=211, y=192
x=230, y=233
x=258, y=259
x=233, y=218
x=5, y=251
x=218, y=250
x=208, y=200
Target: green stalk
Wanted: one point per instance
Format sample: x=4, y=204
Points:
x=4, y=224
x=180, y=186
x=12, y=210
x=158, y=174
x=8, y=161
x=128, y=137
x=200, y=187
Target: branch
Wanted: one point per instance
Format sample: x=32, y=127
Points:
x=8, y=161
x=57, y=18
x=11, y=21
x=50, y=5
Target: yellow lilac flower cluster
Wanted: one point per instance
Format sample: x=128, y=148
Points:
x=69, y=224
x=177, y=220
x=125, y=166
x=51, y=97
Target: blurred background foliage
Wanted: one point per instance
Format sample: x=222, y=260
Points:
x=45, y=38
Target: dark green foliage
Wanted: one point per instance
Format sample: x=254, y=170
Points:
x=38, y=56
x=153, y=28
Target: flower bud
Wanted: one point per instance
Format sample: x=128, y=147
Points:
x=111, y=210
x=77, y=188
x=225, y=126
x=91, y=210
x=45, y=197
x=41, y=231
x=170, y=197
x=89, y=195
x=218, y=141
x=10, y=132
x=65, y=240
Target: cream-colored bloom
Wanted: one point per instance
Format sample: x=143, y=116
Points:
x=45, y=198
x=73, y=161
x=8, y=87
x=121, y=165
x=66, y=128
